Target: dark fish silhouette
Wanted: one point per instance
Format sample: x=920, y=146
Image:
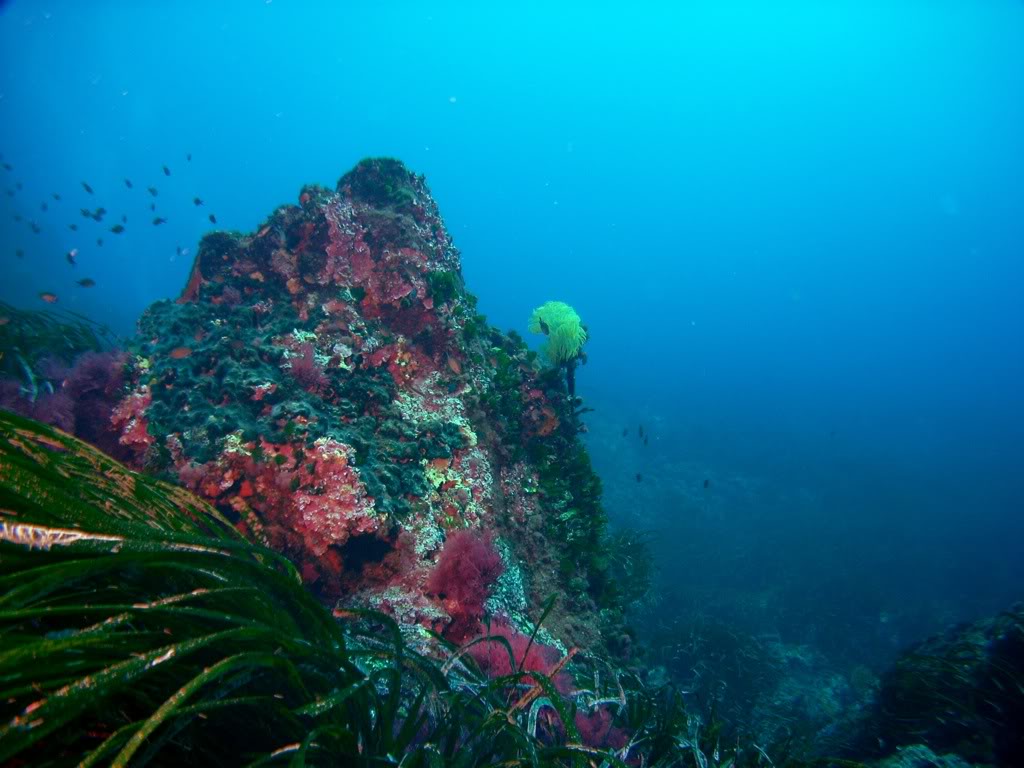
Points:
x=167, y=171
x=87, y=188
x=625, y=431
x=56, y=197
x=152, y=206
x=98, y=214
x=99, y=241
x=213, y=219
x=196, y=201
x=117, y=229
x=639, y=477
x=36, y=229
x=8, y=167
x=189, y=157
x=43, y=206
x=640, y=430
x=86, y=282
x=19, y=253
x=19, y=218
x=124, y=218
x=73, y=227
x=159, y=220
x=19, y=186
x=153, y=191
x=707, y=484
x=71, y=256
x=85, y=212
x=128, y=183
x=645, y=439
x=10, y=192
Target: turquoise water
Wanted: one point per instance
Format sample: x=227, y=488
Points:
x=794, y=233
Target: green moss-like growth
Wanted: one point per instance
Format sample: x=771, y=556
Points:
x=383, y=182
x=445, y=286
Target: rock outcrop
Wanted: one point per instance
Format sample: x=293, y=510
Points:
x=327, y=381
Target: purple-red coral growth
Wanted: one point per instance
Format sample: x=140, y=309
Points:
x=466, y=570
x=307, y=371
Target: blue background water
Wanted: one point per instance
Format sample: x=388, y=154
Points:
x=794, y=230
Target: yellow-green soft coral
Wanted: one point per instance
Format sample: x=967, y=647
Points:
x=566, y=334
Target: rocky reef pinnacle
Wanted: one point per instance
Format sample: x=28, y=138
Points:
x=328, y=383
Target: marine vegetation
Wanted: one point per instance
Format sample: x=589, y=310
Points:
x=566, y=335
x=141, y=627
x=960, y=692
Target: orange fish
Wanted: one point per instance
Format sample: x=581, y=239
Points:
x=49, y=298
x=179, y=353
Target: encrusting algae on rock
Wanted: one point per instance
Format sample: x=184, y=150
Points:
x=344, y=402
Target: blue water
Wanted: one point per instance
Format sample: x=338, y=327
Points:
x=794, y=230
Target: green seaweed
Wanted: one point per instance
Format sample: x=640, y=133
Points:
x=140, y=627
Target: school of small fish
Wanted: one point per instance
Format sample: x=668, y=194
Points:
x=96, y=214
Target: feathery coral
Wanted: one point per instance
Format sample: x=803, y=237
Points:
x=560, y=323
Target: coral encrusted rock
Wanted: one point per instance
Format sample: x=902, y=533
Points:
x=327, y=382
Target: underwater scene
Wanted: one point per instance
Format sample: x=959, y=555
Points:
x=512, y=384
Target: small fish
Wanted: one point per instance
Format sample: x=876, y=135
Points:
x=85, y=212
x=8, y=167
x=10, y=192
x=177, y=250
x=189, y=157
x=196, y=201
x=36, y=229
x=167, y=171
x=86, y=282
x=55, y=196
x=19, y=253
x=180, y=353
x=117, y=229
x=43, y=206
x=99, y=241
x=49, y=298
x=707, y=484
x=152, y=206
x=213, y=219
x=640, y=430
x=128, y=183
x=645, y=439
x=639, y=477
x=124, y=218
x=159, y=220
x=625, y=431
x=98, y=214
x=73, y=227
x=19, y=218
x=19, y=186
x=87, y=188
x=71, y=256
x=153, y=191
